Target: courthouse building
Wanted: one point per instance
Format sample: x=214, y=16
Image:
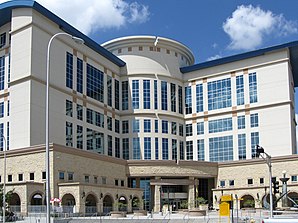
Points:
x=136, y=121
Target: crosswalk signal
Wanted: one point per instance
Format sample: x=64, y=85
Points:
x=275, y=187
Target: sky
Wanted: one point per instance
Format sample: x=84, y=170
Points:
x=211, y=29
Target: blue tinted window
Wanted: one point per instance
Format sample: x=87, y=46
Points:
x=135, y=94
x=117, y=94
x=254, y=143
x=201, y=149
x=155, y=95
x=199, y=97
x=95, y=83
x=165, y=126
x=147, y=148
x=174, y=149
x=200, y=128
x=165, y=149
x=79, y=75
x=241, y=122
x=221, y=148
x=189, y=150
x=125, y=148
x=254, y=120
x=164, y=96
x=2, y=72
x=241, y=146
x=136, y=149
x=220, y=125
x=173, y=97
x=253, y=94
x=219, y=94
x=146, y=94
x=69, y=70
x=109, y=90
x=188, y=102
x=240, y=90
x=135, y=126
x=125, y=95
x=156, y=149
x=147, y=125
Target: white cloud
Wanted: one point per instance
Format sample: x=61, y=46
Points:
x=217, y=56
x=248, y=26
x=91, y=15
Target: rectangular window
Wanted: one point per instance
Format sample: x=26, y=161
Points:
x=70, y=176
x=2, y=72
x=87, y=178
x=199, y=97
x=261, y=180
x=79, y=112
x=181, y=145
x=104, y=180
x=95, y=141
x=125, y=126
x=156, y=125
x=68, y=108
x=110, y=145
x=155, y=95
x=146, y=94
x=241, y=146
x=1, y=138
x=189, y=150
x=2, y=40
x=147, y=125
x=188, y=100
x=250, y=182
x=9, y=178
x=61, y=175
x=117, y=96
x=79, y=75
x=8, y=107
x=125, y=148
x=136, y=153
x=174, y=149
x=156, y=149
x=165, y=149
x=43, y=175
x=79, y=137
x=231, y=183
x=181, y=130
x=117, y=126
x=253, y=93
x=201, y=149
x=188, y=129
x=221, y=148
x=69, y=70
x=147, y=148
x=135, y=126
x=173, y=97
x=1, y=109
x=174, y=128
x=110, y=123
x=117, y=147
x=219, y=94
x=200, y=128
x=220, y=125
x=164, y=96
x=21, y=177
x=31, y=176
x=180, y=100
x=95, y=179
x=254, y=120
x=68, y=133
x=109, y=90
x=95, y=83
x=7, y=136
x=240, y=90
x=164, y=127
x=125, y=95
x=254, y=143
x=135, y=94
x=294, y=178
x=241, y=122
x=222, y=183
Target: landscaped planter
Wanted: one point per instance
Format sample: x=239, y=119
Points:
x=197, y=212
x=118, y=214
x=140, y=212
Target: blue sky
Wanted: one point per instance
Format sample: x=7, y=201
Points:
x=211, y=29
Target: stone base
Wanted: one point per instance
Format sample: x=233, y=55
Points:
x=197, y=212
x=140, y=212
x=117, y=214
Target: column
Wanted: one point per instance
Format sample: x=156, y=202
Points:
x=191, y=194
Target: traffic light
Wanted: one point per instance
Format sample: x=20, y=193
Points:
x=275, y=187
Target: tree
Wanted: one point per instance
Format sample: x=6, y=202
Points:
x=8, y=196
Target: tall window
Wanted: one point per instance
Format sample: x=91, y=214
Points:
x=181, y=130
x=156, y=125
x=181, y=145
x=147, y=125
x=79, y=112
x=180, y=100
x=241, y=146
x=219, y=94
x=199, y=97
x=2, y=40
x=125, y=148
x=254, y=120
x=254, y=143
x=95, y=141
x=189, y=150
x=165, y=127
x=174, y=149
x=117, y=126
x=220, y=125
x=68, y=108
x=188, y=102
x=79, y=75
x=1, y=109
x=156, y=149
x=201, y=150
x=174, y=128
x=95, y=83
x=79, y=137
x=7, y=136
x=117, y=147
x=125, y=126
x=110, y=145
x=109, y=88
x=147, y=148
x=240, y=90
x=136, y=149
x=117, y=94
x=200, y=128
x=125, y=95
x=241, y=122
x=2, y=72
x=69, y=134
x=164, y=96
x=146, y=94
x=110, y=123
x=173, y=97
x=135, y=94
x=135, y=126
x=188, y=129
x=253, y=94
x=155, y=95
x=221, y=148
x=69, y=70
x=165, y=149
x=1, y=138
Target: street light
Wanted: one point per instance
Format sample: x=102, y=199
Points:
x=79, y=41
x=259, y=151
x=4, y=176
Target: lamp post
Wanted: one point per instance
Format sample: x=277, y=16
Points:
x=4, y=176
x=259, y=151
x=79, y=41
